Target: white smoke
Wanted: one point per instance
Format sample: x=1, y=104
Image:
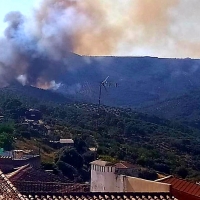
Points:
x=36, y=46
x=22, y=79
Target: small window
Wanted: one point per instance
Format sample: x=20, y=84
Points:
x=108, y=169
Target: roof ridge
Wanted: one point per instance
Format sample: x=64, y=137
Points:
x=162, y=179
x=17, y=172
x=123, y=164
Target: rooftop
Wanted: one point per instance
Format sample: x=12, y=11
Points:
x=28, y=179
x=124, y=165
x=18, y=154
x=8, y=191
x=102, y=196
x=182, y=185
x=119, y=165
x=31, y=174
x=101, y=163
x=66, y=141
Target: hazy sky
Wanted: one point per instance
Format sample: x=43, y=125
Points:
x=163, y=28
x=25, y=6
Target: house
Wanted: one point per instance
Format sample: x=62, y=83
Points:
x=17, y=158
x=25, y=183
x=62, y=143
x=125, y=168
x=9, y=191
x=28, y=178
x=66, y=142
x=106, y=177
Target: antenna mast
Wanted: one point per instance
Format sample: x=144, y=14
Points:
x=102, y=84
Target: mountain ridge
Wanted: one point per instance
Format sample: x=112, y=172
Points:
x=142, y=80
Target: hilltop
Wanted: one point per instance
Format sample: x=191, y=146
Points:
x=141, y=80
x=17, y=90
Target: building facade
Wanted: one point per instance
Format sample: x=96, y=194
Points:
x=105, y=177
x=17, y=158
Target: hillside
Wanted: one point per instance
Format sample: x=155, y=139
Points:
x=185, y=109
x=117, y=133
x=16, y=90
x=141, y=80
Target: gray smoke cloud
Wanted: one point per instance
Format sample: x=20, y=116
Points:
x=35, y=49
x=32, y=60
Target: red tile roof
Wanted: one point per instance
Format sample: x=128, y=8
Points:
x=30, y=179
x=29, y=173
x=182, y=185
x=28, y=187
x=124, y=165
x=7, y=190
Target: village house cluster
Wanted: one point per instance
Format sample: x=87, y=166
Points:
x=108, y=181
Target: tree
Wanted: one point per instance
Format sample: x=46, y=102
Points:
x=67, y=169
x=71, y=157
x=12, y=104
x=6, y=128
x=6, y=141
x=89, y=156
x=182, y=172
x=80, y=145
x=147, y=174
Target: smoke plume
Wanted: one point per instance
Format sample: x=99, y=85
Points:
x=34, y=48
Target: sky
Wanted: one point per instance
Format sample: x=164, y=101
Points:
x=45, y=31
x=25, y=6
x=161, y=28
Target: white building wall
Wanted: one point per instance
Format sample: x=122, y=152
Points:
x=104, y=179
x=97, y=179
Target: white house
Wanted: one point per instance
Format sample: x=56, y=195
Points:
x=105, y=177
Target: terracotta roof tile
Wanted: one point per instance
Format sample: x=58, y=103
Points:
x=29, y=173
x=7, y=190
x=102, y=196
x=182, y=185
x=124, y=165
x=50, y=187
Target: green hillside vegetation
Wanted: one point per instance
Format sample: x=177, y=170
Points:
x=119, y=134
x=184, y=109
